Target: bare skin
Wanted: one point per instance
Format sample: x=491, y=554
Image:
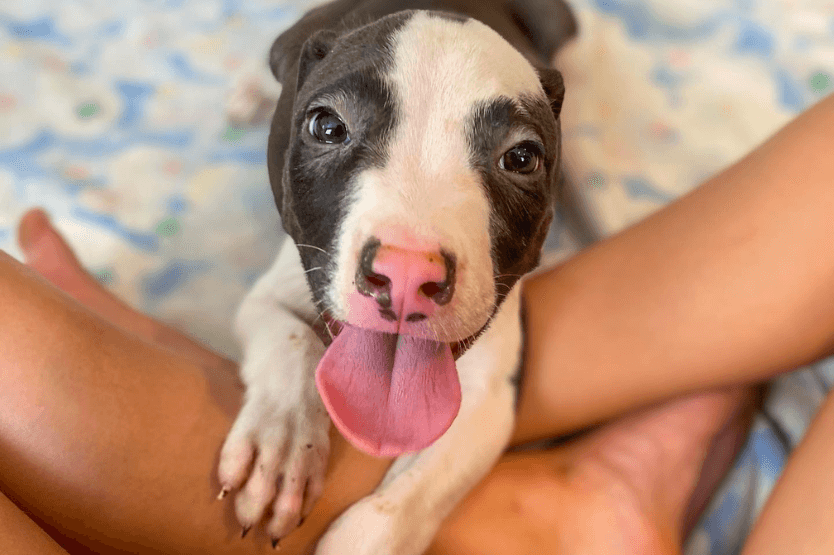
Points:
x=122, y=425
x=110, y=434
x=19, y=535
x=799, y=516
x=731, y=284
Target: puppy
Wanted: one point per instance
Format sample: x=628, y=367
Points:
x=414, y=159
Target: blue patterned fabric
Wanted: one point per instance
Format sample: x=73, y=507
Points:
x=114, y=116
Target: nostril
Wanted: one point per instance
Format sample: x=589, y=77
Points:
x=377, y=280
x=432, y=289
x=377, y=286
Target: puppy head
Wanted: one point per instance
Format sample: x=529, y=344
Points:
x=418, y=178
x=421, y=133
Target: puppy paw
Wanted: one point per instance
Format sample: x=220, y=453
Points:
x=276, y=455
x=376, y=526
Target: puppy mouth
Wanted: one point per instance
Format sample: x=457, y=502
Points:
x=327, y=328
x=388, y=394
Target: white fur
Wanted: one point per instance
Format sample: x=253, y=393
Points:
x=283, y=420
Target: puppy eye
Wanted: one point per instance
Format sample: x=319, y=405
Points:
x=523, y=158
x=327, y=128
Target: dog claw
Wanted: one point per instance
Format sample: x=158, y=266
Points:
x=223, y=493
x=267, y=443
x=244, y=531
x=276, y=543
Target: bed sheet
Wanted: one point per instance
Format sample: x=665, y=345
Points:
x=113, y=116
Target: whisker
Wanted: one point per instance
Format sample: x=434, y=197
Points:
x=442, y=331
x=313, y=270
x=316, y=302
x=320, y=311
x=321, y=317
x=330, y=333
x=313, y=247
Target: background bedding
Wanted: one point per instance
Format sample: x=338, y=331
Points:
x=113, y=116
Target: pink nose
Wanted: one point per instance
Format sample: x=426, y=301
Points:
x=407, y=285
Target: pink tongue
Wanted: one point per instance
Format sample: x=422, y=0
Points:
x=388, y=394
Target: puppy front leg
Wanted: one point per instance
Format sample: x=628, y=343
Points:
x=278, y=447
x=420, y=490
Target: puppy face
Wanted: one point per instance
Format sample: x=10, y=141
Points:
x=416, y=171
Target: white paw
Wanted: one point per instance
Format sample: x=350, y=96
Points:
x=375, y=526
x=280, y=450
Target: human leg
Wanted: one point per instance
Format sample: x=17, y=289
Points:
x=556, y=472
x=19, y=535
x=112, y=441
x=799, y=515
x=636, y=485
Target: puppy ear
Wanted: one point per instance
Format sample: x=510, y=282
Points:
x=292, y=46
x=315, y=49
x=554, y=88
x=289, y=45
x=548, y=24
x=283, y=54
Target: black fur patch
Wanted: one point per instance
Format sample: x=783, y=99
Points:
x=310, y=179
x=548, y=24
x=451, y=16
x=522, y=205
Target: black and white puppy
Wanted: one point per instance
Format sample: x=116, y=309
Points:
x=414, y=158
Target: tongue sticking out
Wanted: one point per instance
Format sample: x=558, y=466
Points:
x=388, y=394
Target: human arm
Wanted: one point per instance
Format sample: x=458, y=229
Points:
x=731, y=284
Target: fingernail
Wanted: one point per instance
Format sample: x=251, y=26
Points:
x=275, y=543
x=245, y=531
x=223, y=493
